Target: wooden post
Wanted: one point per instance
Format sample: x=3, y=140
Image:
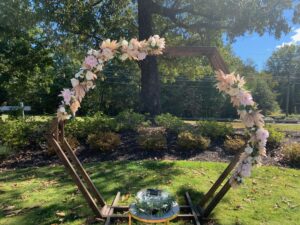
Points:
x=220, y=180
x=217, y=199
x=83, y=173
x=75, y=176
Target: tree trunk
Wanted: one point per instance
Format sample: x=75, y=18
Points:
x=150, y=82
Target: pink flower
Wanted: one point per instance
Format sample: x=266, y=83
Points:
x=262, y=136
x=67, y=95
x=246, y=169
x=245, y=98
x=90, y=61
x=141, y=55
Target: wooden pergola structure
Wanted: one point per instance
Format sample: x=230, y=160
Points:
x=110, y=212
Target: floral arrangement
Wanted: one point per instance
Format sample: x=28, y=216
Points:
x=93, y=63
x=233, y=85
x=153, y=202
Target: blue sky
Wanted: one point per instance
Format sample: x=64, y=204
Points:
x=259, y=49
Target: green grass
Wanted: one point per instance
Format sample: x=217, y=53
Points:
x=271, y=196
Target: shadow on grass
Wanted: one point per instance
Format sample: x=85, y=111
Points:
x=109, y=177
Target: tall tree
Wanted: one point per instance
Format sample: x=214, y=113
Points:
x=204, y=19
x=284, y=64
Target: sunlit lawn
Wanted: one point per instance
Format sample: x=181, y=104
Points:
x=271, y=196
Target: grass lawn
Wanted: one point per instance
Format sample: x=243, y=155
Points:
x=271, y=196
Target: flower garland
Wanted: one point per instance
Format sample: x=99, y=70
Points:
x=93, y=63
x=233, y=85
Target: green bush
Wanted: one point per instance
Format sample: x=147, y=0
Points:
x=82, y=127
x=104, y=141
x=234, y=144
x=152, y=138
x=214, y=130
x=291, y=153
x=17, y=134
x=188, y=140
x=275, y=137
x=129, y=120
x=170, y=122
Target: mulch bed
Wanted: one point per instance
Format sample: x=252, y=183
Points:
x=130, y=150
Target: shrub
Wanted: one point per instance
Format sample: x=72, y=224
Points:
x=152, y=138
x=104, y=141
x=291, y=153
x=275, y=138
x=214, y=130
x=170, y=122
x=129, y=120
x=4, y=152
x=234, y=144
x=18, y=134
x=73, y=141
x=82, y=127
x=188, y=140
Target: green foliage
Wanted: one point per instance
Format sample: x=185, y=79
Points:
x=291, y=153
x=264, y=96
x=188, y=140
x=170, y=122
x=104, y=141
x=284, y=63
x=152, y=138
x=234, y=144
x=82, y=127
x=275, y=137
x=129, y=120
x=216, y=131
x=18, y=134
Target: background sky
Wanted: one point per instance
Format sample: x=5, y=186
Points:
x=259, y=49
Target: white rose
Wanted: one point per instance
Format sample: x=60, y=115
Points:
x=74, y=82
x=249, y=150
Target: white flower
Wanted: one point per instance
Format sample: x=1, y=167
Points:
x=248, y=150
x=77, y=75
x=124, y=43
x=99, y=67
x=124, y=56
x=61, y=109
x=74, y=82
x=90, y=75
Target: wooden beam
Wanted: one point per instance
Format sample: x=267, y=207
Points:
x=195, y=213
x=92, y=188
x=189, y=51
x=75, y=176
x=220, y=180
x=111, y=210
x=214, y=202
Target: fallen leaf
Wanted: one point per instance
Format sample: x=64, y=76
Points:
x=61, y=214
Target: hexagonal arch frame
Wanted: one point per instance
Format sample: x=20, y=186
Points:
x=110, y=212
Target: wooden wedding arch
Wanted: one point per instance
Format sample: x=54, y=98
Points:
x=110, y=212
